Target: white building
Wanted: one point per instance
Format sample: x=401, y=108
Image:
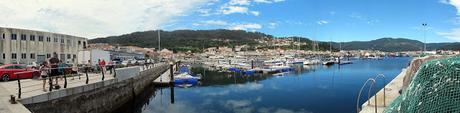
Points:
x=27, y=46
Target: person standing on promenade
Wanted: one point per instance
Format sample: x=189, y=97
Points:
x=53, y=64
x=44, y=73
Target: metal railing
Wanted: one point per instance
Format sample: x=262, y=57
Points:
x=85, y=69
x=368, y=95
x=373, y=84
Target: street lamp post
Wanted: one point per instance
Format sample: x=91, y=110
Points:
x=424, y=37
x=159, y=46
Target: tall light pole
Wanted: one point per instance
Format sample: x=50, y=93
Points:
x=159, y=46
x=424, y=37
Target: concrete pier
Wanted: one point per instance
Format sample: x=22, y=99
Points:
x=393, y=88
x=98, y=96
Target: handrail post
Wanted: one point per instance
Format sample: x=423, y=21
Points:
x=102, y=69
x=368, y=97
x=19, y=85
x=65, y=80
x=86, y=72
x=114, y=71
x=50, y=80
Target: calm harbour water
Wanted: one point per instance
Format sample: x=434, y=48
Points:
x=316, y=89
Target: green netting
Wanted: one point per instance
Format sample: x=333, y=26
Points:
x=435, y=88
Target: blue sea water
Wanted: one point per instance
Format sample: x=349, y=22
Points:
x=310, y=89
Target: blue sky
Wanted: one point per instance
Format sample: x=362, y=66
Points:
x=338, y=20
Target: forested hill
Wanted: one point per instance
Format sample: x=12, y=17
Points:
x=395, y=45
x=193, y=40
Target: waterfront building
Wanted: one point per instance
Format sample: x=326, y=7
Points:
x=27, y=46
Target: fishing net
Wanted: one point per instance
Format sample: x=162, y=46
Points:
x=435, y=88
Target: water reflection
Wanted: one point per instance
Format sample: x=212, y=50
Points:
x=309, y=89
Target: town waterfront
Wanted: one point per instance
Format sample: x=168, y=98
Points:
x=317, y=89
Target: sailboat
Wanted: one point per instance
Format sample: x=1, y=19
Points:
x=330, y=61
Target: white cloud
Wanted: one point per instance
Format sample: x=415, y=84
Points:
x=93, y=18
x=242, y=6
x=272, y=25
x=215, y=22
x=239, y=2
x=250, y=26
x=454, y=34
x=234, y=9
x=322, y=22
x=255, y=13
x=268, y=1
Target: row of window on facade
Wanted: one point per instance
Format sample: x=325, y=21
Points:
x=32, y=56
x=40, y=38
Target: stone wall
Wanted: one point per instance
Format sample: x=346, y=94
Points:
x=415, y=65
x=101, y=97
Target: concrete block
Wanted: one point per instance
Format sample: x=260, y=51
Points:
x=62, y=93
x=88, y=87
x=99, y=84
x=26, y=100
x=54, y=95
x=109, y=82
x=40, y=98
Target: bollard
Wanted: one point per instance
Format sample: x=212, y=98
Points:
x=19, y=86
x=86, y=72
x=13, y=99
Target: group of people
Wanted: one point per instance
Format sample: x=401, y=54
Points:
x=53, y=67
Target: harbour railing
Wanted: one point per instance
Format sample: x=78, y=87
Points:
x=63, y=73
x=372, y=82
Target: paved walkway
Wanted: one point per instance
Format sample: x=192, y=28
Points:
x=34, y=87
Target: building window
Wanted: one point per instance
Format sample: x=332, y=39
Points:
x=55, y=39
x=32, y=56
x=48, y=39
x=40, y=38
x=79, y=42
x=69, y=56
x=62, y=40
x=23, y=37
x=3, y=36
x=68, y=42
x=4, y=56
x=48, y=55
x=74, y=56
x=13, y=56
x=32, y=38
x=23, y=56
x=14, y=37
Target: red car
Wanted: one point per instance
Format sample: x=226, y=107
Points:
x=7, y=72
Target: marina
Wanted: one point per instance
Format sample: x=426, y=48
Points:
x=309, y=88
x=230, y=56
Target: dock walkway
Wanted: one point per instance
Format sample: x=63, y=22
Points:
x=34, y=87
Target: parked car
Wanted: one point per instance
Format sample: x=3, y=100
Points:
x=7, y=72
